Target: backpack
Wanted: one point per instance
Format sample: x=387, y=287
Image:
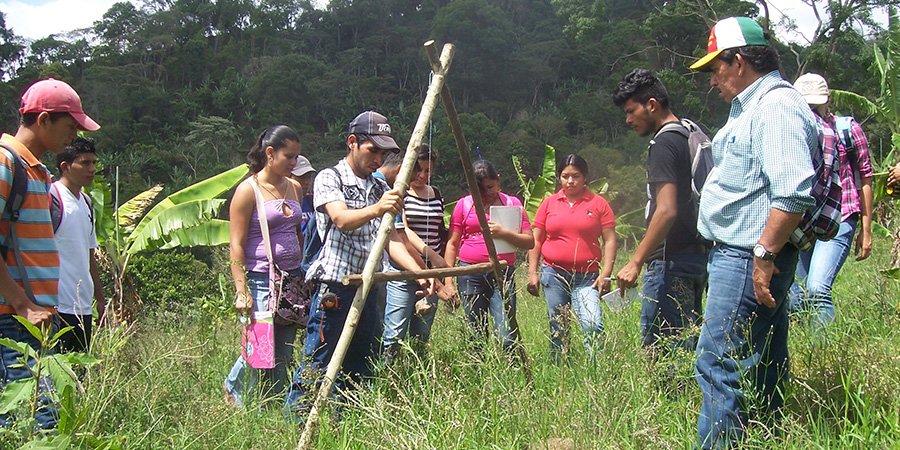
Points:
x=701, y=159
x=312, y=242
x=822, y=221
x=843, y=126
x=57, y=208
x=16, y=196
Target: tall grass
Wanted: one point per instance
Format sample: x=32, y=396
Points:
x=160, y=386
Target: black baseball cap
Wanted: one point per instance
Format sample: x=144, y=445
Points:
x=375, y=126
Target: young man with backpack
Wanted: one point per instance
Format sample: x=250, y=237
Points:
x=675, y=254
x=752, y=202
x=819, y=265
x=51, y=115
x=72, y=216
x=350, y=204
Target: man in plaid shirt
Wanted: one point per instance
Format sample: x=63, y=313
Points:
x=751, y=203
x=349, y=204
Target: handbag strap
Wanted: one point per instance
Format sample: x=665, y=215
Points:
x=264, y=228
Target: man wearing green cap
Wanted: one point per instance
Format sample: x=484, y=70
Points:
x=752, y=201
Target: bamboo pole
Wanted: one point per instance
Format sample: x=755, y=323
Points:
x=375, y=256
x=456, y=128
x=381, y=277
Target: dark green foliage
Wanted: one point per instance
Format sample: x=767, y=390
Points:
x=172, y=280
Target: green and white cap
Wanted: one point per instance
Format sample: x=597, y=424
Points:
x=733, y=32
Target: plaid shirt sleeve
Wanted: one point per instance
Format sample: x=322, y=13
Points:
x=327, y=189
x=862, y=149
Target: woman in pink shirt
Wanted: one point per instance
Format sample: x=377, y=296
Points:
x=568, y=228
x=479, y=292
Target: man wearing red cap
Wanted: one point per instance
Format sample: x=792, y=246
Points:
x=29, y=269
x=752, y=202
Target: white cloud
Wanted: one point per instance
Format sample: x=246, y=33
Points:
x=35, y=19
x=802, y=15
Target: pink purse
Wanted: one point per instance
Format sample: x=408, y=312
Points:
x=258, y=341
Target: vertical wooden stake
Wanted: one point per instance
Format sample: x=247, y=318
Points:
x=375, y=257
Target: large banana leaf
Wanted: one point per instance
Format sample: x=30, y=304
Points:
x=540, y=189
x=157, y=231
x=548, y=170
x=130, y=212
x=207, y=189
x=850, y=101
x=211, y=233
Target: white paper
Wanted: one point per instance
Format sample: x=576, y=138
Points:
x=509, y=217
x=617, y=302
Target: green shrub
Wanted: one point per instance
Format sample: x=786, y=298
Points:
x=172, y=279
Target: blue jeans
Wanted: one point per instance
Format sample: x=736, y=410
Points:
x=322, y=335
x=562, y=288
x=242, y=378
x=400, y=314
x=480, y=296
x=816, y=271
x=47, y=414
x=741, y=342
x=672, y=298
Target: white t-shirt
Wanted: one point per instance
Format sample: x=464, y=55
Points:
x=74, y=238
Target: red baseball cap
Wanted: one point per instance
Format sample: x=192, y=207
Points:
x=56, y=96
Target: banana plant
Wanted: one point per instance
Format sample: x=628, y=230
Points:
x=884, y=109
x=186, y=218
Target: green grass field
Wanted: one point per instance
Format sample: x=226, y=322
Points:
x=160, y=386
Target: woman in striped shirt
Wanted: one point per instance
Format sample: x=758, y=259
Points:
x=423, y=217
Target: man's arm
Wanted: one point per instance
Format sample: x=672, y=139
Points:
x=346, y=219
x=663, y=218
x=775, y=235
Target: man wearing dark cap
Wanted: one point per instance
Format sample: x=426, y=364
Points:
x=51, y=115
x=349, y=204
x=752, y=202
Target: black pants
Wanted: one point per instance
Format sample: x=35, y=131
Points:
x=79, y=338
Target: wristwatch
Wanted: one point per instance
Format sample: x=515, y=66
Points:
x=760, y=252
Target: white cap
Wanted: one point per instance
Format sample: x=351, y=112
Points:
x=813, y=88
x=303, y=167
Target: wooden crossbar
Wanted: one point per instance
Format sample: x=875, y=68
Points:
x=380, y=277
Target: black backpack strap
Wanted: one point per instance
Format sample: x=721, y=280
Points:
x=13, y=206
x=16, y=195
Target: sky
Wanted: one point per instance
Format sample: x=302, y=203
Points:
x=34, y=19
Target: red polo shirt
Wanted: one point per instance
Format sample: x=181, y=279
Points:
x=573, y=232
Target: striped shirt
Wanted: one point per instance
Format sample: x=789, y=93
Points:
x=424, y=217
x=763, y=158
x=34, y=229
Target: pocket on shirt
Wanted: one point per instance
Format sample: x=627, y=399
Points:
x=736, y=167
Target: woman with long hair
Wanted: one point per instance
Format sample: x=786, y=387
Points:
x=480, y=293
x=271, y=161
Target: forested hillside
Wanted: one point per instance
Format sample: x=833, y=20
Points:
x=182, y=87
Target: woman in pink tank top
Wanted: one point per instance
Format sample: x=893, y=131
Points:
x=479, y=293
x=271, y=161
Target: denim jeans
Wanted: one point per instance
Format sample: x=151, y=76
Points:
x=742, y=344
x=563, y=288
x=672, y=298
x=242, y=379
x=816, y=271
x=322, y=335
x=400, y=314
x=480, y=296
x=79, y=338
x=47, y=414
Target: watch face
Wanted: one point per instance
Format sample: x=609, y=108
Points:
x=759, y=251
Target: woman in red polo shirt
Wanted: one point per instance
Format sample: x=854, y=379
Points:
x=568, y=228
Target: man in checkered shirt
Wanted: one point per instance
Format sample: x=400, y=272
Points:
x=752, y=201
x=349, y=205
